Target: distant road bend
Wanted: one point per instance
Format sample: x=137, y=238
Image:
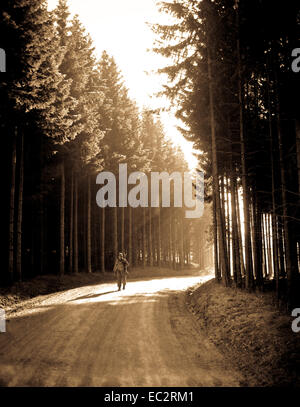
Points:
x=97, y=336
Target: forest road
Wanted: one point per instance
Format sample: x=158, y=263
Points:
x=97, y=336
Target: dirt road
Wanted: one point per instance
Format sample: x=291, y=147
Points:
x=97, y=336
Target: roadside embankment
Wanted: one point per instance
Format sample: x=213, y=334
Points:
x=250, y=332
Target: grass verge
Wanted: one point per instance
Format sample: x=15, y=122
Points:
x=249, y=330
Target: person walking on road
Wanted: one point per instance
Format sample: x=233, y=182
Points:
x=120, y=270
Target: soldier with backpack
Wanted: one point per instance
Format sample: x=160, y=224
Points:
x=120, y=270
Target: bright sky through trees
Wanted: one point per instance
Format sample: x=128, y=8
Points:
x=120, y=28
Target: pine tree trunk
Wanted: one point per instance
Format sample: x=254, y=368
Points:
x=265, y=234
x=130, y=235
x=181, y=248
x=174, y=241
x=170, y=239
x=275, y=254
x=89, y=236
x=102, y=240
x=287, y=247
x=298, y=150
x=20, y=211
x=224, y=216
x=239, y=229
x=235, y=238
x=270, y=259
x=115, y=231
x=274, y=216
x=75, y=225
x=158, y=238
x=135, y=242
x=62, y=218
x=83, y=224
x=43, y=234
x=248, y=251
x=265, y=270
x=42, y=215
x=188, y=252
x=12, y=206
x=257, y=248
x=123, y=229
x=96, y=237
x=281, y=251
x=229, y=232
x=164, y=240
x=144, y=237
x=216, y=247
x=226, y=272
x=71, y=231
x=150, y=238
x=216, y=192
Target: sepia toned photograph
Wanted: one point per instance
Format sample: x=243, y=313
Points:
x=151, y=197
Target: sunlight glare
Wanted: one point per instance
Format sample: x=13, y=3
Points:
x=120, y=28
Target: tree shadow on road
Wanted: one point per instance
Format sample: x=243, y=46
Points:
x=86, y=297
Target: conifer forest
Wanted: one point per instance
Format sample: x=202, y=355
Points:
x=230, y=79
